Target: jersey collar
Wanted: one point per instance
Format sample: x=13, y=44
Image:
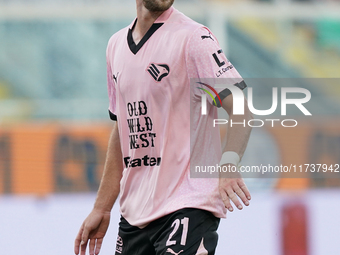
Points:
x=157, y=24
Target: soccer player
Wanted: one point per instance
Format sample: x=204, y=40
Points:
x=163, y=210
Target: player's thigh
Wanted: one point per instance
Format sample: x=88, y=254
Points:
x=132, y=241
x=188, y=232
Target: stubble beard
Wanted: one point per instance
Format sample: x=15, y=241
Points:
x=158, y=5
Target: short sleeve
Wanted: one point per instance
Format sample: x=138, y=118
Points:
x=111, y=87
x=206, y=61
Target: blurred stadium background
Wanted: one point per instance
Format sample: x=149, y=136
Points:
x=54, y=123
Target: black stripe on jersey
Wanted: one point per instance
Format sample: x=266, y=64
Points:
x=155, y=67
x=152, y=74
x=135, y=48
x=224, y=93
x=112, y=116
x=153, y=71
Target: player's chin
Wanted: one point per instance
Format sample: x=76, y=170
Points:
x=158, y=5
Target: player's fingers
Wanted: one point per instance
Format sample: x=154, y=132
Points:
x=84, y=240
x=92, y=244
x=98, y=246
x=85, y=236
x=241, y=195
x=245, y=190
x=83, y=248
x=78, y=240
x=226, y=200
x=234, y=199
x=228, y=205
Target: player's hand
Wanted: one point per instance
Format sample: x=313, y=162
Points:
x=232, y=186
x=94, y=229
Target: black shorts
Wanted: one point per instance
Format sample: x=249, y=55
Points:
x=185, y=232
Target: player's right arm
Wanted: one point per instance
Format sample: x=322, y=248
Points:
x=95, y=225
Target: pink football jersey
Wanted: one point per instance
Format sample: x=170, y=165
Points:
x=150, y=97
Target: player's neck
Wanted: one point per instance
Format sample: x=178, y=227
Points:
x=145, y=19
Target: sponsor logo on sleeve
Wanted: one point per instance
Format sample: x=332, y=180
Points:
x=221, y=64
x=217, y=60
x=207, y=37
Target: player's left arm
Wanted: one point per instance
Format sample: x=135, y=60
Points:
x=231, y=184
x=205, y=59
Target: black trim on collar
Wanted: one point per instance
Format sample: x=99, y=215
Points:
x=135, y=48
